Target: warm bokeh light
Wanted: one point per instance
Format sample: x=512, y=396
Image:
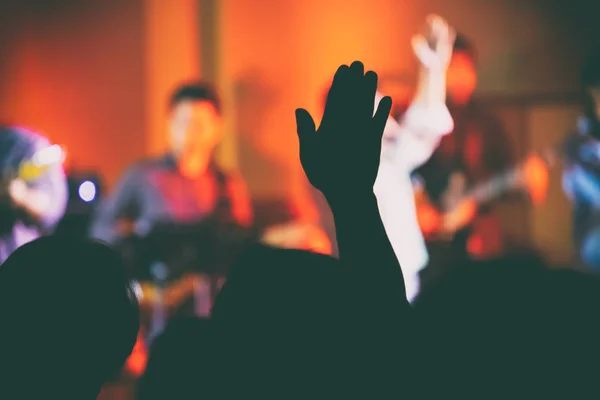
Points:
x=136, y=363
x=429, y=219
x=537, y=178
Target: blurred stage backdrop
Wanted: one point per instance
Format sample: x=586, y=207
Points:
x=94, y=75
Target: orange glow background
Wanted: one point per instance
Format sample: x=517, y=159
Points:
x=94, y=75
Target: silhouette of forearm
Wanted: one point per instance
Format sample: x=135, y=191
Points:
x=364, y=246
x=386, y=319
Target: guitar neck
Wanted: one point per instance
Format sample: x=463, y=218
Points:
x=495, y=187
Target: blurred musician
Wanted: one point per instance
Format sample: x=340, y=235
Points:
x=472, y=159
x=179, y=218
x=33, y=191
x=581, y=176
x=408, y=144
x=477, y=149
x=185, y=185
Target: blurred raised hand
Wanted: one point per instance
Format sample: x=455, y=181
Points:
x=433, y=46
x=341, y=157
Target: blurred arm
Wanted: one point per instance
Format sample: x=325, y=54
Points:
x=407, y=145
x=395, y=200
x=410, y=142
x=121, y=203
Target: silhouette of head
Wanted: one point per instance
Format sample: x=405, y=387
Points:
x=69, y=319
x=195, y=125
x=511, y=326
x=462, y=73
x=285, y=323
x=180, y=362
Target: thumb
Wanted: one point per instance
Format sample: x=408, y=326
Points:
x=305, y=125
x=382, y=114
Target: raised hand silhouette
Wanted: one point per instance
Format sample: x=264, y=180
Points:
x=341, y=157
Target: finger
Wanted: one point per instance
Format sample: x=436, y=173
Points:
x=354, y=96
x=305, y=125
x=445, y=45
x=441, y=31
x=370, y=91
x=357, y=68
x=437, y=24
x=430, y=26
x=341, y=75
x=431, y=18
x=341, y=72
x=382, y=114
x=451, y=37
x=422, y=50
x=336, y=89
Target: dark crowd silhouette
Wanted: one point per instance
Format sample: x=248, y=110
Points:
x=296, y=324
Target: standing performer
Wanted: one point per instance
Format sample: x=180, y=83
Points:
x=410, y=143
x=34, y=192
x=581, y=177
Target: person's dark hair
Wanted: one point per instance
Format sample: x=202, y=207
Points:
x=196, y=91
x=463, y=45
x=69, y=318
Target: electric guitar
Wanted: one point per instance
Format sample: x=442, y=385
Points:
x=173, y=294
x=459, y=204
x=166, y=298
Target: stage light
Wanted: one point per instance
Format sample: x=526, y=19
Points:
x=87, y=191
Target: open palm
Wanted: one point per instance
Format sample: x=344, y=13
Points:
x=341, y=157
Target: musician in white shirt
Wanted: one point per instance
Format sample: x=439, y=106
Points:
x=408, y=144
